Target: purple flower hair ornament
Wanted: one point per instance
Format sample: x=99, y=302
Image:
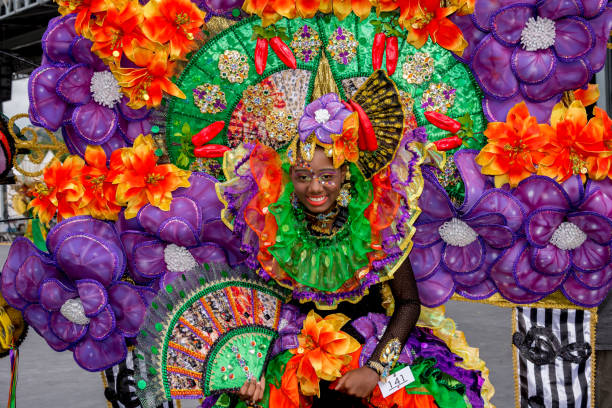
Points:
x=323, y=117
x=533, y=50
x=161, y=245
x=454, y=248
x=74, y=90
x=73, y=296
x=568, y=232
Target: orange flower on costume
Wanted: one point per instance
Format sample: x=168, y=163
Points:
x=83, y=9
x=61, y=191
x=271, y=11
x=118, y=32
x=140, y=180
x=587, y=96
x=345, y=146
x=573, y=141
x=145, y=86
x=99, y=198
x=514, y=147
x=175, y=21
x=323, y=351
x=425, y=18
x=600, y=166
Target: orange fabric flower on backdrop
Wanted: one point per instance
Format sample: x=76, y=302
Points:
x=323, y=351
x=119, y=31
x=61, y=191
x=271, y=11
x=140, y=180
x=99, y=197
x=83, y=9
x=145, y=86
x=573, y=141
x=425, y=18
x=600, y=166
x=175, y=21
x=514, y=147
x=346, y=147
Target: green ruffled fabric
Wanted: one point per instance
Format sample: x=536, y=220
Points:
x=323, y=263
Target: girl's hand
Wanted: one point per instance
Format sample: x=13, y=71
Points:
x=252, y=391
x=359, y=382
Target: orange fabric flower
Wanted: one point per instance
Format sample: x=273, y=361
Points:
x=514, y=147
x=346, y=146
x=573, y=141
x=271, y=11
x=118, y=32
x=145, y=86
x=99, y=197
x=323, y=351
x=175, y=21
x=425, y=18
x=83, y=9
x=61, y=191
x=140, y=180
x=382, y=211
x=600, y=166
x=587, y=96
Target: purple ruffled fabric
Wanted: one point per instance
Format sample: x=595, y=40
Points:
x=60, y=95
x=508, y=73
x=84, y=265
x=193, y=223
x=420, y=343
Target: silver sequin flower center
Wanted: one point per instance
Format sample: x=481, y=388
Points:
x=73, y=310
x=105, y=89
x=457, y=233
x=178, y=258
x=568, y=236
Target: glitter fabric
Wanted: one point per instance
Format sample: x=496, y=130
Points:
x=209, y=98
x=418, y=68
x=438, y=97
x=306, y=43
x=233, y=66
x=342, y=46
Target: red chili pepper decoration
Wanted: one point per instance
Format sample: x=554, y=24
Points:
x=368, y=134
x=362, y=138
x=208, y=133
x=283, y=52
x=378, y=49
x=261, y=55
x=392, y=54
x=448, y=143
x=443, y=122
x=210, y=151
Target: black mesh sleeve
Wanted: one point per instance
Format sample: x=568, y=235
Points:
x=406, y=313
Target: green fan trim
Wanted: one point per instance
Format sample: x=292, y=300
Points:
x=192, y=299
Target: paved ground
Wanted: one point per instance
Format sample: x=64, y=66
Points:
x=53, y=380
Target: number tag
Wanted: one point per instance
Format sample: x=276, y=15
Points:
x=396, y=381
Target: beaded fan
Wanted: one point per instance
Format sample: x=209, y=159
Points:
x=208, y=332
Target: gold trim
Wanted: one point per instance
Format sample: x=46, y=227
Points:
x=554, y=301
x=515, y=361
x=105, y=385
x=594, y=318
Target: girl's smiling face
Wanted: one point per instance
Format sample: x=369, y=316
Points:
x=317, y=184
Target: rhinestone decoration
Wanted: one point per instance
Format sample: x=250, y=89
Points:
x=568, y=236
x=438, y=97
x=207, y=165
x=233, y=66
x=306, y=43
x=105, y=89
x=457, y=233
x=418, y=68
x=178, y=258
x=538, y=34
x=344, y=197
x=407, y=102
x=342, y=46
x=73, y=310
x=281, y=128
x=209, y=98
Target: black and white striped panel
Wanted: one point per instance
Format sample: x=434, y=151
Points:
x=553, y=352
x=120, y=389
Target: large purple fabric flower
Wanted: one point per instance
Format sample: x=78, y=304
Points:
x=323, y=116
x=75, y=91
x=568, y=232
x=454, y=248
x=73, y=296
x=160, y=245
x=534, y=50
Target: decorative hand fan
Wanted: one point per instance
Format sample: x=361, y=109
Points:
x=208, y=332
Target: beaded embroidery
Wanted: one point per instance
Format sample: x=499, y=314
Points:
x=418, y=68
x=233, y=66
x=342, y=46
x=389, y=356
x=209, y=98
x=306, y=43
x=438, y=97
